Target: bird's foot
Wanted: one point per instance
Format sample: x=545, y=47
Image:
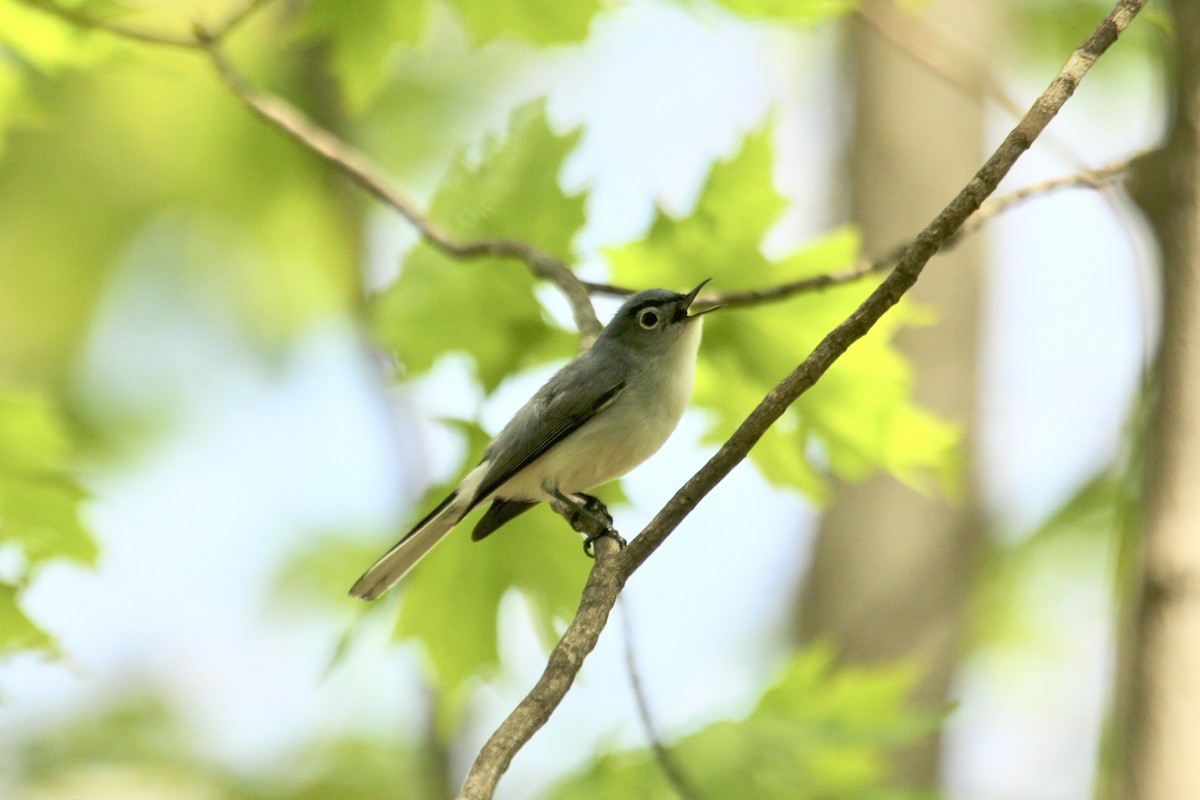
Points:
x=588, y=515
x=594, y=507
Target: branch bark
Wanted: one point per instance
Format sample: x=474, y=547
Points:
x=351, y=162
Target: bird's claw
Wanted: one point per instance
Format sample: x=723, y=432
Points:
x=589, y=543
x=594, y=509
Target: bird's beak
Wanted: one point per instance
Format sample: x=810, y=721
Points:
x=691, y=296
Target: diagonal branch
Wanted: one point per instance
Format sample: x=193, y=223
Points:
x=609, y=574
x=887, y=294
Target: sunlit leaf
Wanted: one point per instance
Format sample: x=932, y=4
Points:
x=39, y=501
x=18, y=634
x=365, y=35
x=1079, y=538
x=486, y=307
x=803, y=11
x=861, y=416
x=39, y=508
x=818, y=732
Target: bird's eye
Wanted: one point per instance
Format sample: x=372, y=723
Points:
x=648, y=319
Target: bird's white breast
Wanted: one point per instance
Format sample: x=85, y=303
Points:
x=623, y=435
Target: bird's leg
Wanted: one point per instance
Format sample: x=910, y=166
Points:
x=589, y=516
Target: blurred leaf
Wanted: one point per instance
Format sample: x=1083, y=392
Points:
x=365, y=34
x=441, y=94
x=39, y=501
x=861, y=416
x=177, y=149
x=486, y=307
x=808, y=12
x=818, y=732
x=39, y=508
x=41, y=515
x=543, y=22
x=1078, y=539
x=33, y=46
x=1049, y=30
x=31, y=434
x=18, y=634
x=141, y=747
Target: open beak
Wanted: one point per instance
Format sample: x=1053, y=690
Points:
x=691, y=296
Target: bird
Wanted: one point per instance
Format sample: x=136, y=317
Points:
x=594, y=420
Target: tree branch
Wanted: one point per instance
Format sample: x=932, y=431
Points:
x=1097, y=178
x=609, y=574
x=351, y=162
x=603, y=585
x=361, y=171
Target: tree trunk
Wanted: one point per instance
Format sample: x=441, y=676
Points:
x=892, y=568
x=1164, y=741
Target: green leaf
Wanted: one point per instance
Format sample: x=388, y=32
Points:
x=1049, y=30
x=31, y=434
x=365, y=35
x=18, y=634
x=861, y=416
x=808, y=12
x=1079, y=539
x=39, y=501
x=486, y=307
x=37, y=45
x=818, y=732
x=39, y=508
x=41, y=516
x=542, y=22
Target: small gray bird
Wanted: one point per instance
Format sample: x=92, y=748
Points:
x=597, y=418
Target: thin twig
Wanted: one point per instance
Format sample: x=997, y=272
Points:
x=609, y=574
x=947, y=56
x=666, y=759
x=888, y=293
x=938, y=50
x=349, y=161
x=360, y=170
x=1098, y=178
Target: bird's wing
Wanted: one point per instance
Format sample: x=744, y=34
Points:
x=572, y=397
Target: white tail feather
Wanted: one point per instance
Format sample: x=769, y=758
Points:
x=396, y=562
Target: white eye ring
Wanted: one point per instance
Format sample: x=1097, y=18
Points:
x=648, y=319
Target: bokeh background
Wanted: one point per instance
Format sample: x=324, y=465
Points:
x=228, y=381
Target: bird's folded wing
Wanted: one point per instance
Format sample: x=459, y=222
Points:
x=551, y=416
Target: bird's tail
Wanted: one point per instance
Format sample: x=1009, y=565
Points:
x=396, y=562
